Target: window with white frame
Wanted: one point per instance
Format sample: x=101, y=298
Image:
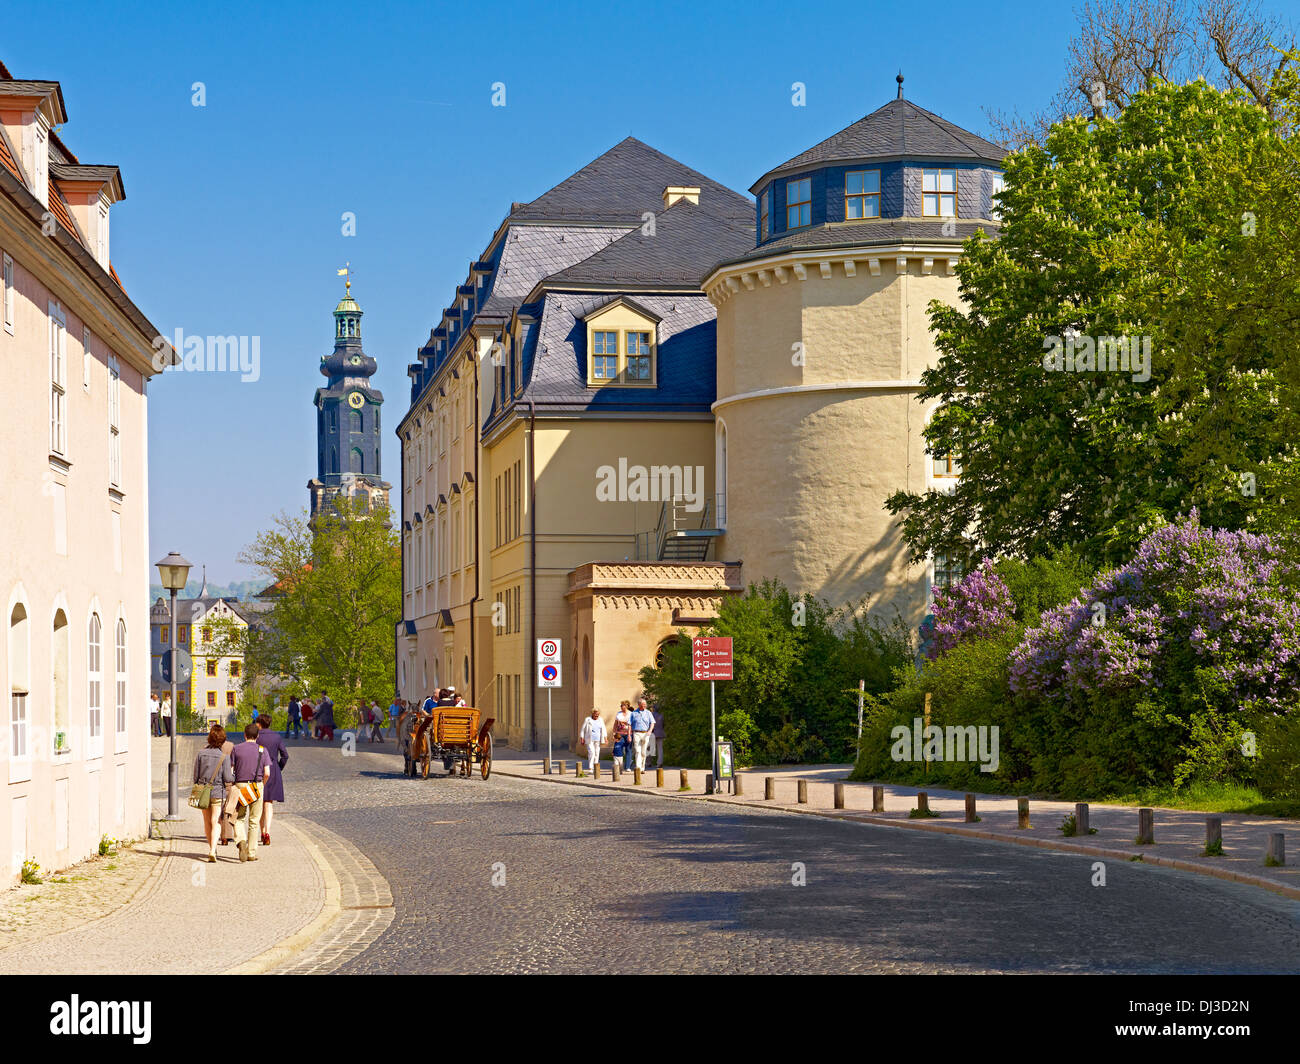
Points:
x=94, y=690
x=101, y=243
x=947, y=572
x=999, y=183
x=58, y=380
x=114, y=422
x=938, y=193
x=9, y=294
x=947, y=466
x=19, y=657
x=120, y=668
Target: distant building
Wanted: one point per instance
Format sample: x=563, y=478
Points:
x=74, y=569
x=217, y=682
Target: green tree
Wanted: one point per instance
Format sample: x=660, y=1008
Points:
x=1112, y=228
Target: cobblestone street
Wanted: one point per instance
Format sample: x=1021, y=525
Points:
x=603, y=882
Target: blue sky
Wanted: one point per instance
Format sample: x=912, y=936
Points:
x=232, y=222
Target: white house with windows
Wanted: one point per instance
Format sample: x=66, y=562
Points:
x=74, y=565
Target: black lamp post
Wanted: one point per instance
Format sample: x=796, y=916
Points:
x=174, y=572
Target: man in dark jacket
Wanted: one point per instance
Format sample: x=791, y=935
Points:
x=325, y=717
x=295, y=718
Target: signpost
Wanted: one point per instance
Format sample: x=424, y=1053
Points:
x=548, y=676
x=711, y=660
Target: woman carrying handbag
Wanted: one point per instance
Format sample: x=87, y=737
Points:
x=212, y=772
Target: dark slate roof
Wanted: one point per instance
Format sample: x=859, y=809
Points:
x=617, y=187
x=531, y=252
x=688, y=239
x=555, y=357
x=884, y=232
x=899, y=129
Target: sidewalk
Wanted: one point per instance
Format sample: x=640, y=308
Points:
x=1179, y=834
x=189, y=916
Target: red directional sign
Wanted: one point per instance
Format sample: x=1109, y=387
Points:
x=711, y=658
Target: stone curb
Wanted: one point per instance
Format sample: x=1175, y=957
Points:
x=1060, y=845
x=303, y=938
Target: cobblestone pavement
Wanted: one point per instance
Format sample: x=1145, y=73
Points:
x=594, y=881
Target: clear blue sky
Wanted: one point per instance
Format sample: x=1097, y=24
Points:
x=232, y=219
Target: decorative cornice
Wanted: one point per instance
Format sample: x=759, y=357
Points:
x=840, y=386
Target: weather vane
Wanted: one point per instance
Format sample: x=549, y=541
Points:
x=347, y=273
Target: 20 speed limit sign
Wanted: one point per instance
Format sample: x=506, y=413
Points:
x=548, y=652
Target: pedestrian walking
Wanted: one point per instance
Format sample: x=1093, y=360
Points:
x=212, y=766
x=325, y=717
x=308, y=708
x=154, y=727
x=228, y=823
x=643, y=727
x=165, y=714
x=376, y=722
x=295, y=718
x=592, y=737
x=660, y=760
x=252, y=770
x=395, y=710
x=274, y=746
x=623, y=733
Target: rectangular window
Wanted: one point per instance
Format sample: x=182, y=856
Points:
x=212, y=699
x=9, y=295
x=947, y=571
x=497, y=512
x=234, y=670
x=947, y=466
x=114, y=420
x=94, y=690
x=182, y=633
x=230, y=698
x=121, y=685
x=212, y=667
x=765, y=214
x=862, y=194
x=999, y=183
x=58, y=380
x=798, y=203
x=519, y=498
x=604, y=356
x=638, y=356
x=207, y=634
x=519, y=702
x=939, y=194
x=18, y=725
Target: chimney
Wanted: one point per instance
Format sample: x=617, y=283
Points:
x=673, y=193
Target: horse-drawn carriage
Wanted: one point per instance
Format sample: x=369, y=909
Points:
x=450, y=734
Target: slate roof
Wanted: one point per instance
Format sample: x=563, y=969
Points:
x=688, y=239
x=898, y=129
x=885, y=232
x=530, y=253
x=617, y=187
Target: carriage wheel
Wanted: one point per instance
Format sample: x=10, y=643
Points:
x=485, y=756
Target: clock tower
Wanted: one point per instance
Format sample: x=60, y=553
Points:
x=347, y=419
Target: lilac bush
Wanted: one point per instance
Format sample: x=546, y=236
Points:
x=977, y=606
x=1199, y=618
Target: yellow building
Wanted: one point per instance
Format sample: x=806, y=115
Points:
x=651, y=391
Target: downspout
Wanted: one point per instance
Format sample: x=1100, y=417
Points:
x=532, y=569
x=473, y=656
x=401, y=540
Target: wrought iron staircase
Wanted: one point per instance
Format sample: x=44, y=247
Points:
x=683, y=535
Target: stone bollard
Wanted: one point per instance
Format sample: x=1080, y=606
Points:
x=596, y=771
x=970, y=809
x=617, y=769
x=877, y=799
x=1081, y=818
x=1022, y=813
x=561, y=764
x=839, y=796
x=708, y=783
x=803, y=792
x=1276, y=854
x=659, y=777
x=738, y=788
x=636, y=775
x=1146, y=827
x=769, y=789
x=546, y=767
x=686, y=786
x=1213, y=835
x=922, y=802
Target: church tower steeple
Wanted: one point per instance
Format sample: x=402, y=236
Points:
x=348, y=453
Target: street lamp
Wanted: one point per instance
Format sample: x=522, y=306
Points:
x=174, y=572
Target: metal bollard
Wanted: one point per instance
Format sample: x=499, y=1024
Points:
x=803, y=792
x=769, y=789
x=659, y=777
x=970, y=809
x=1022, y=813
x=1081, y=818
x=877, y=799
x=1276, y=854
x=839, y=796
x=1146, y=827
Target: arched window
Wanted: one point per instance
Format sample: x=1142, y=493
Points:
x=358, y=462
x=720, y=476
x=120, y=663
x=334, y=460
x=19, y=663
x=94, y=690
x=661, y=652
x=354, y=421
x=466, y=673
x=586, y=660
x=61, y=647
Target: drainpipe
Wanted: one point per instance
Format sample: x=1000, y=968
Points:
x=401, y=541
x=532, y=570
x=473, y=656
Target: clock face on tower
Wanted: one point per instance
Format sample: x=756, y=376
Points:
x=356, y=360
x=355, y=399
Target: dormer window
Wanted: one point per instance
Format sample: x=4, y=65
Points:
x=862, y=194
x=798, y=203
x=638, y=356
x=939, y=193
x=764, y=214
x=621, y=345
x=604, y=355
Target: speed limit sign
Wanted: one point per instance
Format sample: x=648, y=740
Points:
x=548, y=652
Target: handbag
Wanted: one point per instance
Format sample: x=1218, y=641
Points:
x=249, y=791
x=201, y=793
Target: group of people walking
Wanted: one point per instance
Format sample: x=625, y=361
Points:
x=247, y=783
x=315, y=720
x=638, y=734
x=160, y=715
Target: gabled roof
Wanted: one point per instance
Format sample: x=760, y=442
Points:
x=899, y=129
x=688, y=238
x=616, y=188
